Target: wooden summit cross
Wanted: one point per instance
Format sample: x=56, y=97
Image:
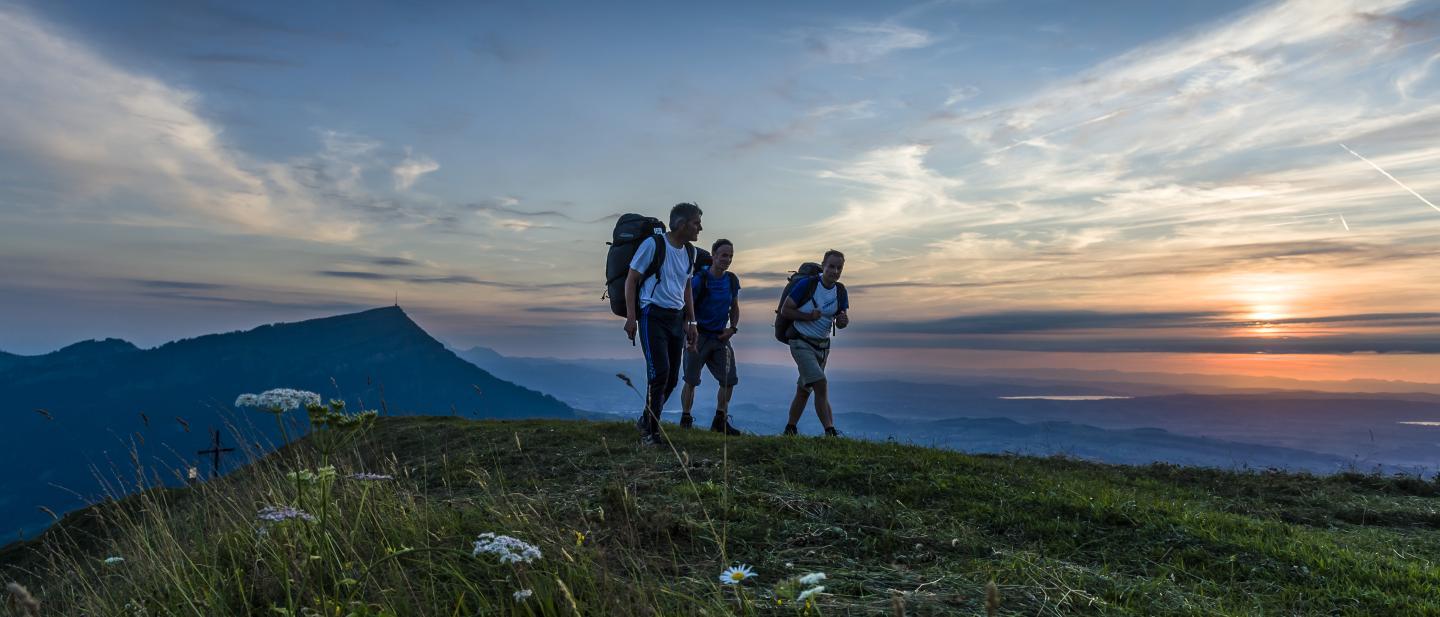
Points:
x=215, y=452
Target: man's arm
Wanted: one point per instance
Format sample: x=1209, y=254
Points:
x=632, y=302
x=692, y=334
x=791, y=312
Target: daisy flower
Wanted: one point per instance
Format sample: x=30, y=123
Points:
x=734, y=575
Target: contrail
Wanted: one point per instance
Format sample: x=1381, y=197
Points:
x=1392, y=178
x=1342, y=222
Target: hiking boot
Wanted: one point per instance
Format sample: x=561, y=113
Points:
x=653, y=439
x=721, y=424
x=790, y=430
x=687, y=421
x=831, y=432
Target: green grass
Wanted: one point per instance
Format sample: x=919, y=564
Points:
x=631, y=531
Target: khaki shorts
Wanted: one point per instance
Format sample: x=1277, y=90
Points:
x=717, y=356
x=810, y=355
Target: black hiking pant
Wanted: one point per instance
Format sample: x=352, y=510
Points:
x=662, y=336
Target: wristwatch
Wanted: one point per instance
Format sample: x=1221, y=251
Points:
x=692, y=323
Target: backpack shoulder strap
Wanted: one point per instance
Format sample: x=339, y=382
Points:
x=807, y=292
x=659, y=259
x=734, y=285
x=842, y=296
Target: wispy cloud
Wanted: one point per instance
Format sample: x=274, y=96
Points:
x=410, y=169
x=856, y=44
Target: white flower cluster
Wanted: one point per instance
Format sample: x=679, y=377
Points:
x=811, y=580
x=370, y=477
x=523, y=595
x=280, y=514
x=283, y=399
x=508, y=549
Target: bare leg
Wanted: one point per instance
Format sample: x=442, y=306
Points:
x=687, y=398
x=822, y=403
x=797, y=405
x=722, y=400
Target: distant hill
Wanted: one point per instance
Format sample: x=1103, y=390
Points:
x=94, y=393
x=970, y=415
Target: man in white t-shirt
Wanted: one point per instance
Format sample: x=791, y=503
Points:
x=819, y=306
x=661, y=310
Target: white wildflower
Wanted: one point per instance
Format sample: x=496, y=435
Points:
x=508, y=549
x=280, y=514
x=734, y=575
x=370, y=476
x=812, y=579
x=110, y=561
x=279, y=399
x=806, y=595
x=523, y=595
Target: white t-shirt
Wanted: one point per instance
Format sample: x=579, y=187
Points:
x=668, y=290
x=828, y=301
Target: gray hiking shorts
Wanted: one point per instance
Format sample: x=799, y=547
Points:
x=810, y=355
x=718, y=356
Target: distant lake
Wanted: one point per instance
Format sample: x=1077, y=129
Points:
x=1420, y=423
x=1057, y=397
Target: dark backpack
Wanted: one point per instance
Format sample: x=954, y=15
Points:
x=630, y=231
x=807, y=270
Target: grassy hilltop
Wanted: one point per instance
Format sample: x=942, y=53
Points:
x=628, y=531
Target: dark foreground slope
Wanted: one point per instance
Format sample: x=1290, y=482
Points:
x=101, y=400
x=630, y=531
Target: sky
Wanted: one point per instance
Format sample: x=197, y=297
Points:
x=1219, y=186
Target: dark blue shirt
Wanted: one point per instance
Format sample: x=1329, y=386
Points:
x=713, y=311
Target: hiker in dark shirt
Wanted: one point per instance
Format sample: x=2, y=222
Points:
x=818, y=305
x=661, y=311
x=716, y=291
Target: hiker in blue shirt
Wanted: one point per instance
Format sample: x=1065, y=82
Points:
x=818, y=305
x=661, y=311
x=716, y=291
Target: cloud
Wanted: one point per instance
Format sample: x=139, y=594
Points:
x=194, y=285
x=808, y=122
x=114, y=145
x=1343, y=344
x=393, y=261
x=449, y=279
x=1016, y=322
x=859, y=44
x=961, y=94
x=410, y=169
x=1023, y=322
x=1202, y=155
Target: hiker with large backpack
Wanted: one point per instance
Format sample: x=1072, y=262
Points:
x=659, y=308
x=717, y=309
x=812, y=308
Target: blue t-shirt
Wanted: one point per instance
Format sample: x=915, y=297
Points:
x=713, y=313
